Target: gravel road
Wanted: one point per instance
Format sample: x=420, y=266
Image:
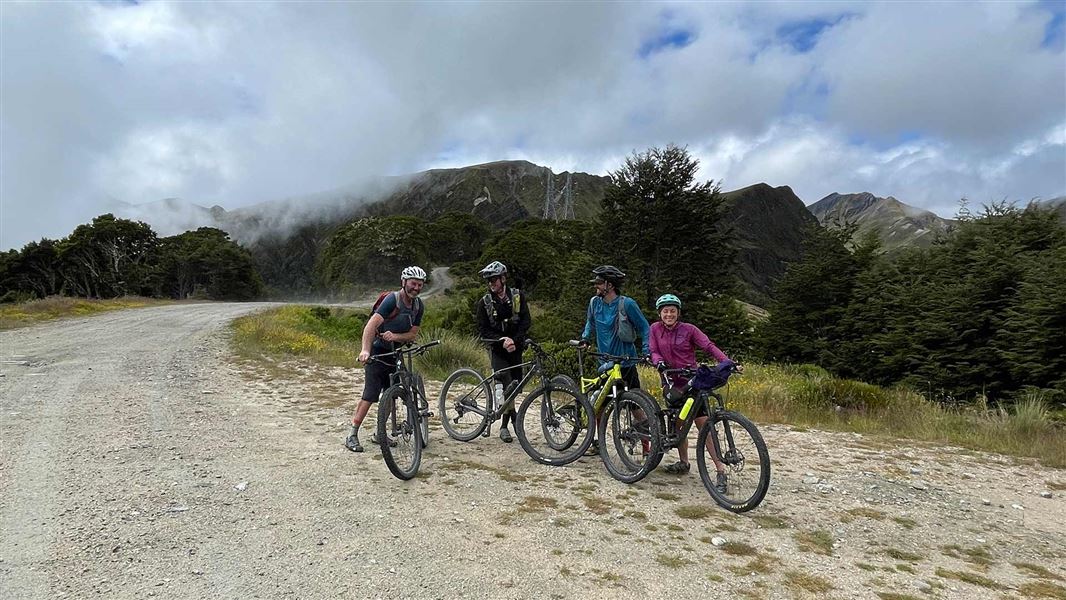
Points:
x=139, y=458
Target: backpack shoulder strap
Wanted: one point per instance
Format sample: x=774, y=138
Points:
x=622, y=315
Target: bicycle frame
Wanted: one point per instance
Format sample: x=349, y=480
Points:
x=674, y=432
x=606, y=383
x=536, y=369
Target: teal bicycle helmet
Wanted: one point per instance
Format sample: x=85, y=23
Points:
x=667, y=300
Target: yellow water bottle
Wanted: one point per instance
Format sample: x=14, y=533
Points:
x=687, y=407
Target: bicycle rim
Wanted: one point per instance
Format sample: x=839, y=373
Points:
x=629, y=439
x=464, y=391
x=552, y=425
x=743, y=455
x=401, y=445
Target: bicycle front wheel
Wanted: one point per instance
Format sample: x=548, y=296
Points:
x=398, y=432
x=630, y=441
x=738, y=475
x=465, y=404
x=553, y=425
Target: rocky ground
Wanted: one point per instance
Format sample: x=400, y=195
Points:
x=139, y=458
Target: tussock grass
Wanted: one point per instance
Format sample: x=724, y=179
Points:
x=738, y=549
x=1043, y=589
x=770, y=522
x=796, y=580
x=869, y=513
x=895, y=596
x=807, y=396
x=673, y=561
x=971, y=578
x=1036, y=570
x=903, y=555
x=24, y=314
x=819, y=542
x=694, y=511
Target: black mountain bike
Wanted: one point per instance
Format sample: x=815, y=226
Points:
x=403, y=413
x=549, y=423
x=739, y=473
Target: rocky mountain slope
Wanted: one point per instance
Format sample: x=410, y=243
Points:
x=769, y=224
x=897, y=224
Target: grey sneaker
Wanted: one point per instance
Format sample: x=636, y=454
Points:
x=352, y=443
x=505, y=435
x=721, y=482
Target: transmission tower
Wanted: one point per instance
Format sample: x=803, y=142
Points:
x=559, y=205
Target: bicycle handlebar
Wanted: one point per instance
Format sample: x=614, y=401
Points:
x=404, y=349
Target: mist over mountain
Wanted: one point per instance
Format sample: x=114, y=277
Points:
x=285, y=236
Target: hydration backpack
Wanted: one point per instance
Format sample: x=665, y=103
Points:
x=623, y=329
x=490, y=307
x=416, y=307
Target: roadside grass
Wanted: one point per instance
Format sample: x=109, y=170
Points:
x=807, y=396
x=333, y=336
x=24, y=314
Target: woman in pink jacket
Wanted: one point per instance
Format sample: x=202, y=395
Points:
x=673, y=345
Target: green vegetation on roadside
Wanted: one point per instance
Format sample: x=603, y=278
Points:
x=59, y=307
x=803, y=395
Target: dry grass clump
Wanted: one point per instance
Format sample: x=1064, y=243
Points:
x=23, y=314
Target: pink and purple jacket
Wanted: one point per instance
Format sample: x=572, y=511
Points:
x=677, y=347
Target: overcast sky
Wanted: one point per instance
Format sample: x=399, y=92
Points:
x=238, y=103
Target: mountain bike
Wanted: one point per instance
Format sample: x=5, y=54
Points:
x=403, y=413
x=727, y=439
x=548, y=424
x=626, y=425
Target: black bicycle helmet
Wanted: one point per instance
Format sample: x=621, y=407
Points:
x=609, y=273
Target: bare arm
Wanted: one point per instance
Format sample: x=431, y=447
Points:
x=370, y=331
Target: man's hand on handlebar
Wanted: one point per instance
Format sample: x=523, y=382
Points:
x=363, y=356
x=508, y=344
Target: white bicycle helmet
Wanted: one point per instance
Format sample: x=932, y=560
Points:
x=413, y=272
x=493, y=269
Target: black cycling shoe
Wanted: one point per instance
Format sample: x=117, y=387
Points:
x=678, y=468
x=506, y=435
x=352, y=443
x=721, y=483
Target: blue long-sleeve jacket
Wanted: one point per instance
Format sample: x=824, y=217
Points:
x=604, y=315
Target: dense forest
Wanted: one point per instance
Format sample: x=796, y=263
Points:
x=115, y=257
x=978, y=316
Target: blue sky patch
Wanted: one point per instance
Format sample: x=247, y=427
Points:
x=1055, y=30
x=802, y=36
x=673, y=37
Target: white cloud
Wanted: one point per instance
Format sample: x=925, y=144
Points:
x=237, y=103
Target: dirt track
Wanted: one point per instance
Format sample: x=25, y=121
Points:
x=138, y=459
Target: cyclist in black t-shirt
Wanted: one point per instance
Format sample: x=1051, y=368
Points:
x=396, y=321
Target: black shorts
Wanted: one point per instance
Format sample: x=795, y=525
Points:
x=377, y=379
x=631, y=377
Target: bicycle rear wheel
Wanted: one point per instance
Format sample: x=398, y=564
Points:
x=630, y=441
x=423, y=410
x=552, y=424
x=742, y=452
x=465, y=393
x=398, y=432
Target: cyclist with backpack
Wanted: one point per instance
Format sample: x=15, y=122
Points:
x=395, y=320
x=616, y=320
x=503, y=314
x=673, y=346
